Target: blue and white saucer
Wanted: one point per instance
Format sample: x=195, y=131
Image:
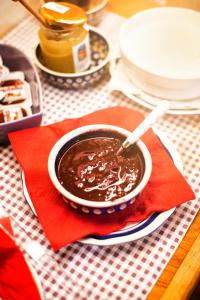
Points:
x=133, y=231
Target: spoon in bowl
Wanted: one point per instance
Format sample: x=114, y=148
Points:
x=146, y=124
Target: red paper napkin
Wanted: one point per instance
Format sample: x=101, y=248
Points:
x=62, y=225
x=16, y=281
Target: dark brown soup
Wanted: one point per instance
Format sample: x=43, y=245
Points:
x=90, y=168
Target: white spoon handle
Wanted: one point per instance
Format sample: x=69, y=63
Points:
x=148, y=122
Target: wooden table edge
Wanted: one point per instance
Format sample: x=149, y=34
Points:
x=182, y=273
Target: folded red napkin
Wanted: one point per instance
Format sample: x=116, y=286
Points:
x=16, y=281
x=62, y=225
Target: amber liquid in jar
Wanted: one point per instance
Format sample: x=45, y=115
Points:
x=65, y=43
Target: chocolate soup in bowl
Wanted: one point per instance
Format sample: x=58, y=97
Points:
x=92, y=178
x=89, y=167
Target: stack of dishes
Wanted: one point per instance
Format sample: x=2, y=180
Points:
x=160, y=53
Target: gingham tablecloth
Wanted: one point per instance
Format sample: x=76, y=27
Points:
x=126, y=271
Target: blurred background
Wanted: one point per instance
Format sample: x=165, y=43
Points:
x=12, y=13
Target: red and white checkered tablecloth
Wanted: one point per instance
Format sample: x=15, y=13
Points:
x=126, y=271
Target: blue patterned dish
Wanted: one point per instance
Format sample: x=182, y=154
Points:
x=96, y=207
x=99, y=68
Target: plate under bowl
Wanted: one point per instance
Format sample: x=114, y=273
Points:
x=100, y=56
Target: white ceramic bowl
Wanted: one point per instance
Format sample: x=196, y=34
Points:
x=96, y=207
x=160, y=49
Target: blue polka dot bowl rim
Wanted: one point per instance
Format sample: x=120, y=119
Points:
x=98, y=69
x=96, y=207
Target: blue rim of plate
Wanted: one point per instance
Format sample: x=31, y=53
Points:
x=133, y=231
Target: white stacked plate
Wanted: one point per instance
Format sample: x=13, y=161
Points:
x=160, y=53
x=121, y=82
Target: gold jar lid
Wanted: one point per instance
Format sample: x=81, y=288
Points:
x=62, y=14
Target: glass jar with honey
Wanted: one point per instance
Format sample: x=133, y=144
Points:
x=64, y=41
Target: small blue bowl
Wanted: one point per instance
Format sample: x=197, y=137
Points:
x=96, y=207
x=98, y=70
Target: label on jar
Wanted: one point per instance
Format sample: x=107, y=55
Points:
x=56, y=7
x=81, y=55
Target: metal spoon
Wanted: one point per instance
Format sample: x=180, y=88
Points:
x=148, y=122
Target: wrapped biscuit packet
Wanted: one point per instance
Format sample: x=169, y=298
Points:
x=13, y=113
x=14, y=89
x=15, y=97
